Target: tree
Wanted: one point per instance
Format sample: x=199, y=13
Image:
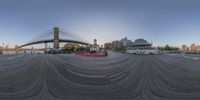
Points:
x=170, y=48
x=167, y=47
x=70, y=47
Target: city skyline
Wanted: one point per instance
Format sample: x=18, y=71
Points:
x=161, y=22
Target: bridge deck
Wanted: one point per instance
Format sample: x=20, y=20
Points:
x=51, y=40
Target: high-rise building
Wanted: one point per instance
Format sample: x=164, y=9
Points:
x=117, y=45
x=108, y=46
x=126, y=42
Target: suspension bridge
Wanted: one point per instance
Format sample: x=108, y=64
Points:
x=56, y=36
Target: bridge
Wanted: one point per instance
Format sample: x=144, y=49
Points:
x=56, y=36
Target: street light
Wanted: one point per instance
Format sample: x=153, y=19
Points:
x=3, y=48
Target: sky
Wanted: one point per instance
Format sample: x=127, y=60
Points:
x=173, y=22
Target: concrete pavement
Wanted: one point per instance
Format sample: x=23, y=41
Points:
x=116, y=77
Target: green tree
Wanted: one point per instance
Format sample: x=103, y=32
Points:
x=70, y=47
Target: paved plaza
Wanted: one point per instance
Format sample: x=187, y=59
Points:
x=115, y=77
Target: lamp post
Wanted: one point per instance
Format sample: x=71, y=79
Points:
x=3, y=48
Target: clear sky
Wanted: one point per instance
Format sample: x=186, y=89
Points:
x=173, y=22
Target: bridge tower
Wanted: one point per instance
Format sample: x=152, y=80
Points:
x=56, y=38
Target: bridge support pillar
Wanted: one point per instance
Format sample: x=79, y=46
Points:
x=45, y=44
x=56, y=38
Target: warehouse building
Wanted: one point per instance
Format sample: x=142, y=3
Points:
x=141, y=46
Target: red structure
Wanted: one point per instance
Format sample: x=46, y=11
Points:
x=91, y=54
